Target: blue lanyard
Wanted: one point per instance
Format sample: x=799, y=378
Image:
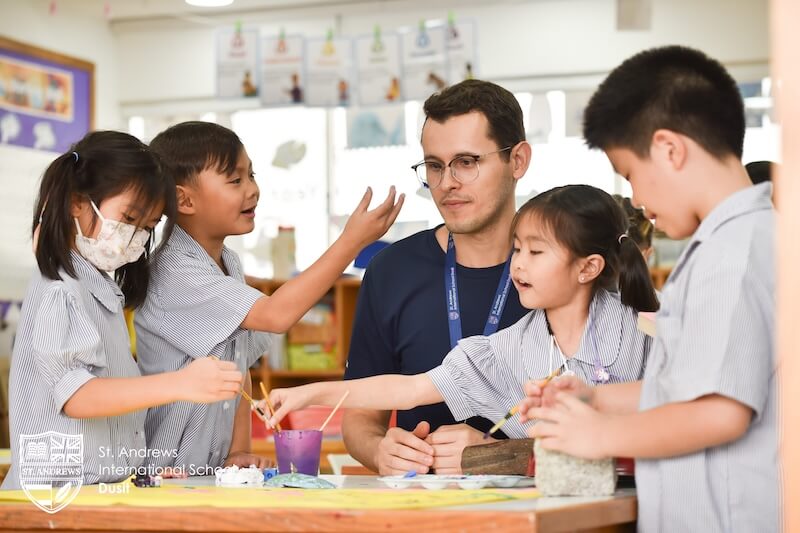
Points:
x=451, y=296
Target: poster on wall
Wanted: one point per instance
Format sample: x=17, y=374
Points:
x=46, y=98
x=378, y=66
x=462, y=50
x=237, y=63
x=329, y=71
x=424, y=61
x=282, y=76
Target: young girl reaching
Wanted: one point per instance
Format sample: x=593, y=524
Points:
x=72, y=371
x=570, y=248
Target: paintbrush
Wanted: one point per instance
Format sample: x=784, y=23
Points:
x=269, y=405
x=338, y=405
x=514, y=409
x=261, y=414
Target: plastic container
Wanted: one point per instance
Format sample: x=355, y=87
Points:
x=298, y=451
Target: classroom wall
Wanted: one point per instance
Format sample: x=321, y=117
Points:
x=76, y=34
x=517, y=41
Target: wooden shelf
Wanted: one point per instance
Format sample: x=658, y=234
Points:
x=344, y=296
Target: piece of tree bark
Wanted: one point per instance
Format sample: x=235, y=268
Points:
x=508, y=457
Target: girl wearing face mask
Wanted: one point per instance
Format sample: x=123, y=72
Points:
x=72, y=371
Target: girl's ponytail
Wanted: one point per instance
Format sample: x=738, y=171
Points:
x=635, y=285
x=53, y=229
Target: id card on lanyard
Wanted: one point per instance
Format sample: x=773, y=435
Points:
x=451, y=295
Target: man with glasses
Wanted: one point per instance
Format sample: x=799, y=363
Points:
x=424, y=293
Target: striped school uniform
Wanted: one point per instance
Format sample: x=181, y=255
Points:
x=485, y=376
x=71, y=331
x=716, y=336
x=194, y=310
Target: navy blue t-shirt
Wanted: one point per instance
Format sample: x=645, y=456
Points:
x=401, y=324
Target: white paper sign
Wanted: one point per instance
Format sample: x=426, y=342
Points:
x=237, y=63
x=424, y=61
x=329, y=72
x=462, y=51
x=378, y=65
x=282, y=76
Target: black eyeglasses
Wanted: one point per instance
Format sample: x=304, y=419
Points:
x=464, y=169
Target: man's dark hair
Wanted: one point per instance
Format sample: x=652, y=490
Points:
x=188, y=148
x=674, y=88
x=497, y=104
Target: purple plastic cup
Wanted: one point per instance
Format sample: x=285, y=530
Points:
x=298, y=450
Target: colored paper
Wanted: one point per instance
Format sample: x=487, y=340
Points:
x=211, y=496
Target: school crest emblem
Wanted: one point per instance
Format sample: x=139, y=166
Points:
x=51, y=468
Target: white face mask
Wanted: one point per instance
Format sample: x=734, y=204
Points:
x=116, y=245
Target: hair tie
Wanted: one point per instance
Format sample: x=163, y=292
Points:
x=623, y=236
x=75, y=155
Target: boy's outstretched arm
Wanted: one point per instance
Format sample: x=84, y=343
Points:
x=391, y=391
x=573, y=427
x=277, y=313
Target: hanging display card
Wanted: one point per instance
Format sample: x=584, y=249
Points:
x=282, y=76
x=378, y=65
x=462, y=50
x=424, y=61
x=237, y=63
x=329, y=72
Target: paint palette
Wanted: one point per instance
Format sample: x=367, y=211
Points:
x=467, y=482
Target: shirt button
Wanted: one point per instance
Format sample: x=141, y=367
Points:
x=225, y=405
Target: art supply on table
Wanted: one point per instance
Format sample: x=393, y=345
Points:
x=466, y=482
x=298, y=450
x=336, y=408
x=299, y=481
x=233, y=475
x=410, y=474
x=269, y=404
x=515, y=409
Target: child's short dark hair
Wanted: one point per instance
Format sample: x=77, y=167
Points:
x=587, y=220
x=640, y=229
x=498, y=105
x=101, y=165
x=674, y=88
x=188, y=148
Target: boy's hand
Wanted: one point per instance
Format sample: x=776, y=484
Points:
x=541, y=393
x=570, y=426
x=284, y=401
x=245, y=459
x=209, y=380
x=363, y=227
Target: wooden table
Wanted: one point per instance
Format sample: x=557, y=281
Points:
x=617, y=513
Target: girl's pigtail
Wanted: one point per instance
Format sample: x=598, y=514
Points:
x=52, y=226
x=635, y=285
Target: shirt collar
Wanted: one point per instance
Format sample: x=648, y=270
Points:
x=750, y=199
x=186, y=244
x=100, y=285
x=602, y=333
x=747, y=200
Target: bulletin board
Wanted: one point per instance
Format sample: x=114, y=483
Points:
x=46, y=98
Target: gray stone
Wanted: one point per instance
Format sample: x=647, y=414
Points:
x=558, y=474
